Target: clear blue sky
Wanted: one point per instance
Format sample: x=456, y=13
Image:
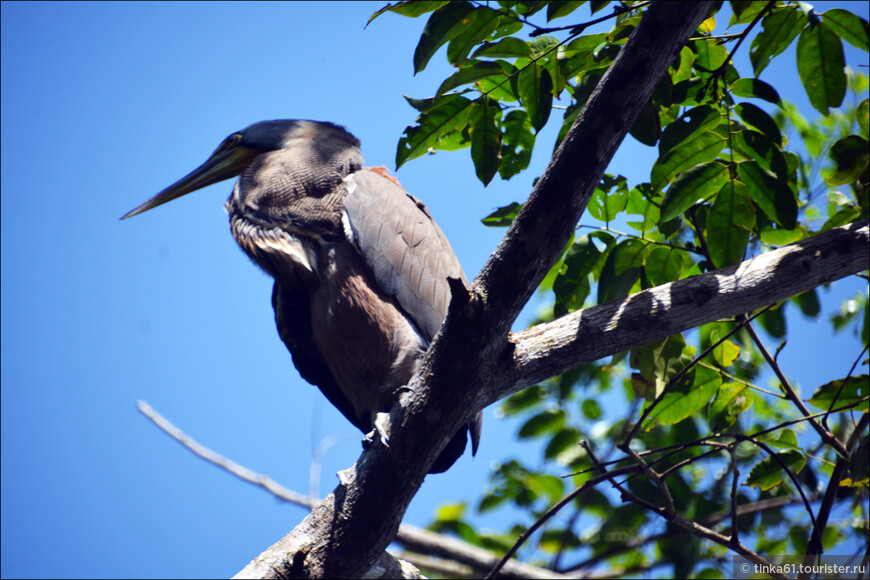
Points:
x=105, y=104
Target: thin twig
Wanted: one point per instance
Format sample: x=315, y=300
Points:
x=826, y=435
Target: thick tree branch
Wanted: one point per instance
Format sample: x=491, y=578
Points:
x=552, y=348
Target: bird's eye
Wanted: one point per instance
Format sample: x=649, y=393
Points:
x=229, y=143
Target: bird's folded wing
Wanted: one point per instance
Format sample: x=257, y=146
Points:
x=403, y=246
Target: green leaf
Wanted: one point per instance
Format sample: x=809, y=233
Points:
x=609, y=199
x=745, y=12
x=758, y=119
x=577, y=55
x=478, y=26
x=850, y=27
x=702, y=149
x=544, y=422
x=591, y=409
x=525, y=399
x=768, y=473
x=852, y=155
x=755, y=89
x=548, y=487
x=781, y=237
x=779, y=28
x=771, y=194
x=730, y=401
x=726, y=353
x=509, y=47
x=565, y=440
x=843, y=392
x=560, y=9
x=809, y=303
x=773, y=322
x=862, y=115
x=571, y=286
x=729, y=222
x=621, y=270
x=786, y=438
x=410, y=9
x=685, y=398
x=820, y=64
x=469, y=74
x=690, y=125
x=664, y=265
x=534, y=87
x=485, y=138
x=503, y=216
x=518, y=141
x=710, y=55
x=444, y=24
x=697, y=183
x=449, y=116
x=639, y=203
x=657, y=363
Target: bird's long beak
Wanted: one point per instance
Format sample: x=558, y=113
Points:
x=221, y=165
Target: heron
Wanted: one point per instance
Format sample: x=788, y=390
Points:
x=360, y=267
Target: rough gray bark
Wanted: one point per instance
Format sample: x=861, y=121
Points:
x=474, y=360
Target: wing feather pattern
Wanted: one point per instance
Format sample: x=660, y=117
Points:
x=407, y=251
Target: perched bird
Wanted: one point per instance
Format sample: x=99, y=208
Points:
x=360, y=266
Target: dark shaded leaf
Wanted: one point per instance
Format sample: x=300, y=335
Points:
x=697, y=183
x=843, y=392
x=478, y=26
x=503, y=216
x=690, y=125
x=566, y=439
x=544, y=422
x=518, y=141
x=729, y=222
x=646, y=128
x=820, y=62
x=444, y=24
x=770, y=193
x=560, y=9
x=534, y=88
x=779, y=27
x=485, y=138
x=758, y=119
x=621, y=270
x=755, y=89
x=851, y=154
x=809, y=303
x=700, y=150
x=756, y=146
x=773, y=322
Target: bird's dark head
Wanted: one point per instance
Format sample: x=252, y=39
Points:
x=239, y=150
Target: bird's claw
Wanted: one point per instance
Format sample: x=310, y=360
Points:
x=382, y=426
